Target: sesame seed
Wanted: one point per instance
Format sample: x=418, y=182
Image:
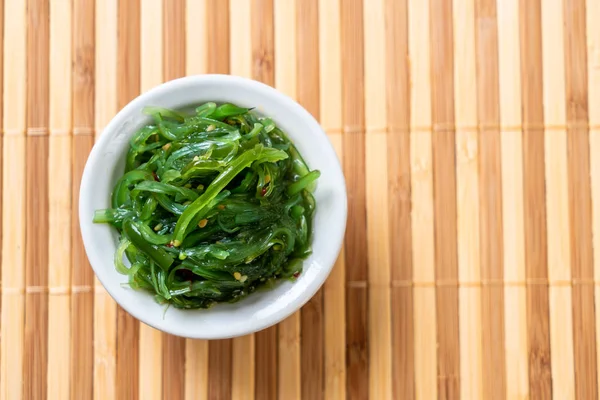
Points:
x=237, y=276
x=244, y=278
x=182, y=256
x=210, y=128
x=196, y=158
x=158, y=227
x=267, y=178
x=202, y=223
x=176, y=243
x=166, y=146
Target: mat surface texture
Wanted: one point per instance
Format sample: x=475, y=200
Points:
x=469, y=133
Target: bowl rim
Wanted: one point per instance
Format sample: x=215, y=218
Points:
x=95, y=157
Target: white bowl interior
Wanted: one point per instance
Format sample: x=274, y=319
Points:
x=263, y=308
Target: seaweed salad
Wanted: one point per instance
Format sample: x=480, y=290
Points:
x=212, y=205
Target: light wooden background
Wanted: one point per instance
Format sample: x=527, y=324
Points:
x=469, y=132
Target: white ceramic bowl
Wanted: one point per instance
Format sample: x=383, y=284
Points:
x=261, y=309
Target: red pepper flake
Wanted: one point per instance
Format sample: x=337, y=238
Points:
x=170, y=244
x=263, y=192
x=155, y=176
x=296, y=274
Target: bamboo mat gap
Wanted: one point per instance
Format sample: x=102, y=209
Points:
x=469, y=133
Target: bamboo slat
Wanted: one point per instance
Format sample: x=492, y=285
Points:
x=580, y=210
x=13, y=206
x=307, y=83
x=444, y=194
x=196, y=356
x=151, y=74
x=196, y=37
x=286, y=32
x=490, y=195
x=105, y=103
x=376, y=175
x=517, y=377
x=468, y=195
x=218, y=50
x=240, y=62
x=82, y=296
x=593, y=60
x=59, y=203
x=35, y=357
x=330, y=91
x=468, y=132
x=421, y=174
x=15, y=68
x=399, y=197
x=353, y=141
x=217, y=28
x=536, y=259
x=128, y=87
x=174, y=37
x=557, y=203
x=240, y=55
x=13, y=279
x=263, y=48
x=59, y=264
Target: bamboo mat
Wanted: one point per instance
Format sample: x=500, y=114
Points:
x=467, y=131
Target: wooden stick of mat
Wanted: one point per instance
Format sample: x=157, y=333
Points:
x=557, y=201
x=240, y=61
x=151, y=74
x=307, y=85
x=262, y=36
x=13, y=206
x=105, y=309
x=423, y=267
x=35, y=357
x=59, y=199
x=128, y=87
x=517, y=378
x=353, y=118
x=593, y=35
x=196, y=356
x=444, y=191
x=330, y=89
x=287, y=59
x=380, y=330
x=490, y=196
x=218, y=50
x=82, y=301
x=173, y=67
x=468, y=207
x=584, y=329
x=399, y=197
x=536, y=260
